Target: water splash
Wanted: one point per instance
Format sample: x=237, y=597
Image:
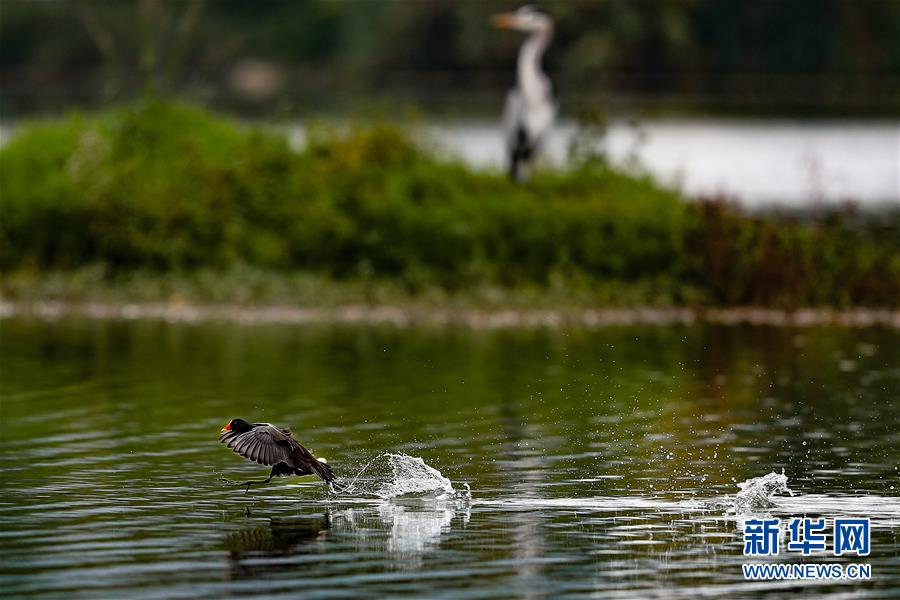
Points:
x=411, y=476
x=391, y=476
x=755, y=493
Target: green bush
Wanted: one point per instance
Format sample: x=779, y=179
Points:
x=168, y=188
x=845, y=259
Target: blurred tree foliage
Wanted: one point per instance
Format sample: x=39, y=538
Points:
x=758, y=54
x=168, y=188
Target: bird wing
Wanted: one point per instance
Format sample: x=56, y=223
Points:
x=269, y=445
x=538, y=117
x=527, y=120
x=512, y=117
x=265, y=444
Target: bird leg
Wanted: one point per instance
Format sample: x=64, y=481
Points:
x=255, y=482
x=251, y=482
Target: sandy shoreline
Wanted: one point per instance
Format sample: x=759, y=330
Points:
x=484, y=318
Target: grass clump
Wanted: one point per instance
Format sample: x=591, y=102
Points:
x=171, y=195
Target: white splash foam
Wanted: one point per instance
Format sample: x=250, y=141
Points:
x=411, y=476
x=755, y=494
x=391, y=476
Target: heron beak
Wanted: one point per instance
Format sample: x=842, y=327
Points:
x=504, y=20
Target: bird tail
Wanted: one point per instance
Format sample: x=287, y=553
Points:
x=323, y=470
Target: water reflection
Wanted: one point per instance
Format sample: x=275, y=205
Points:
x=413, y=530
x=404, y=530
x=249, y=547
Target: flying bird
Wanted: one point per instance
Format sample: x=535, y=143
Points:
x=530, y=106
x=275, y=447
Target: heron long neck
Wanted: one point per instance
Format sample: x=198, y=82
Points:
x=531, y=77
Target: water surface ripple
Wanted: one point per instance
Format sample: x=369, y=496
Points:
x=600, y=462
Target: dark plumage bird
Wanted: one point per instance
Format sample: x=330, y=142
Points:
x=275, y=447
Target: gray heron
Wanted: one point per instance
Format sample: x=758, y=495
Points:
x=530, y=106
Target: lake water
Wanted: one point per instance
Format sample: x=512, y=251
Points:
x=601, y=461
x=759, y=163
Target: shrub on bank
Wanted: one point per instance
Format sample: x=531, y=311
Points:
x=162, y=187
x=843, y=259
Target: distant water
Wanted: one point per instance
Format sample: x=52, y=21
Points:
x=618, y=462
x=757, y=162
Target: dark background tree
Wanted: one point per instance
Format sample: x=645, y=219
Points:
x=838, y=56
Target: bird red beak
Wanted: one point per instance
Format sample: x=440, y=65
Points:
x=227, y=427
x=503, y=20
